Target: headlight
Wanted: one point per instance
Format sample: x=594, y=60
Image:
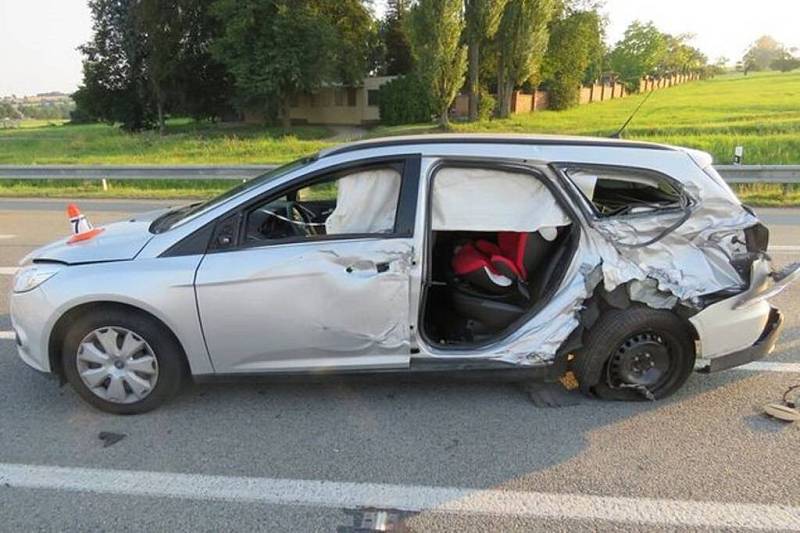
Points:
x=31, y=277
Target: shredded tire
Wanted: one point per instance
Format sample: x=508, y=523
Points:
x=607, y=335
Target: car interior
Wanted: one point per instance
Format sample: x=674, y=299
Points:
x=359, y=202
x=498, y=247
x=483, y=282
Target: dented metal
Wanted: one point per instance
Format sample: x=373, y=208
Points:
x=679, y=266
x=353, y=303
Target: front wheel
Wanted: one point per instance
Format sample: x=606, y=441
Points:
x=635, y=353
x=121, y=362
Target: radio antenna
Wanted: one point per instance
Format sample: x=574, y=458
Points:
x=618, y=133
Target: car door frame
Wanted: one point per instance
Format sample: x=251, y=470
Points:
x=540, y=171
x=232, y=222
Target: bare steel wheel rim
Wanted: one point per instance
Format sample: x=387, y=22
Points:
x=117, y=365
x=642, y=360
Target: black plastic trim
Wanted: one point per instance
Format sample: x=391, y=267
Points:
x=196, y=243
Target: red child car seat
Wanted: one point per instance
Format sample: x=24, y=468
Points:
x=497, y=267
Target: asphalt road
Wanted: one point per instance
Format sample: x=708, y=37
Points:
x=469, y=457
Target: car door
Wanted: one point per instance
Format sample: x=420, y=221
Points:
x=293, y=285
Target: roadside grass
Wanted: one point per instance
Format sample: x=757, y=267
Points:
x=134, y=189
x=186, y=142
x=760, y=112
x=757, y=195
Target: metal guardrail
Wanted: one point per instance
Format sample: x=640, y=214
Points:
x=132, y=172
x=785, y=174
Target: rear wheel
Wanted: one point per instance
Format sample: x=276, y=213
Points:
x=122, y=362
x=635, y=353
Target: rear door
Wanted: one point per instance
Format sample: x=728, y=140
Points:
x=315, y=276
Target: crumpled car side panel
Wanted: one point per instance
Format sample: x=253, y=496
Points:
x=691, y=261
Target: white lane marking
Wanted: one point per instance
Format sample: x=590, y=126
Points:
x=7, y=335
x=8, y=271
x=334, y=494
x=6, y=236
x=770, y=366
x=784, y=249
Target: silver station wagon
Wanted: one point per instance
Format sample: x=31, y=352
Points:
x=629, y=264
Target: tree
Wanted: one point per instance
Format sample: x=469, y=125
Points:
x=522, y=43
x=762, y=53
x=114, y=87
x=148, y=58
x=786, y=63
x=482, y=20
x=398, y=58
x=576, y=40
x=435, y=30
x=279, y=48
x=640, y=52
x=8, y=111
x=160, y=26
x=181, y=72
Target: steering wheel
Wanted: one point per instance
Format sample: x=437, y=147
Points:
x=296, y=220
x=305, y=216
x=278, y=225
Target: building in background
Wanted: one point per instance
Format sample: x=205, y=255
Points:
x=335, y=105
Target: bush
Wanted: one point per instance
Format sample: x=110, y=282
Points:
x=786, y=64
x=486, y=105
x=404, y=100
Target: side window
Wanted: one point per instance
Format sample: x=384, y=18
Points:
x=357, y=202
x=614, y=191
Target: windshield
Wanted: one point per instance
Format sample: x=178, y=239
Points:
x=180, y=215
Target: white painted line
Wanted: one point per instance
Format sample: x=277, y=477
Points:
x=348, y=495
x=785, y=247
x=7, y=335
x=8, y=271
x=769, y=366
x=6, y=236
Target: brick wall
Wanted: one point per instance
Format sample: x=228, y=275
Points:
x=529, y=102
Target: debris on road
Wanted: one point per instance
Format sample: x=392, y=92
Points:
x=110, y=439
x=787, y=410
x=551, y=395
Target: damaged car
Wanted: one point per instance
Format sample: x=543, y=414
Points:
x=629, y=264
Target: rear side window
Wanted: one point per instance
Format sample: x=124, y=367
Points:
x=616, y=191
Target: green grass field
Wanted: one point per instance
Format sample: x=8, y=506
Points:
x=760, y=112
x=187, y=142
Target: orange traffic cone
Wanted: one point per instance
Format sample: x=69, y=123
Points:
x=81, y=228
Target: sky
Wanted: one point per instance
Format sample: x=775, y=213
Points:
x=39, y=38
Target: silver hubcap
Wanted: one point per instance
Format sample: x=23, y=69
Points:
x=117, y=365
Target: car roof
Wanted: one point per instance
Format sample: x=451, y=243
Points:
x=483, y=138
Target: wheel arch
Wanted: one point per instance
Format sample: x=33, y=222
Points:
x=59, y=331
x=602, y=301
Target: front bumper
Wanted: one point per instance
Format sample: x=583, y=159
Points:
x=762, y=347
x=30, y=312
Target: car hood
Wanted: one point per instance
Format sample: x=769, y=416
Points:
x=119, y=241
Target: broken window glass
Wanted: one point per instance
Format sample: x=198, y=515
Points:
x=614, y=191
